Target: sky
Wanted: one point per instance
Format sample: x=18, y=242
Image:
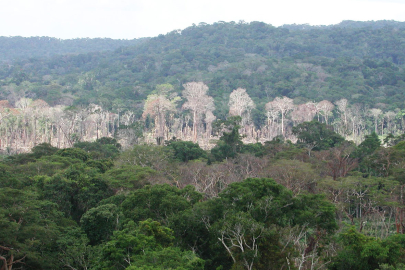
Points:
x=128, y=19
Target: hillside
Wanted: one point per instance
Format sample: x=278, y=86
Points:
x=359, y=62
x=225, y=146
x=13, y=48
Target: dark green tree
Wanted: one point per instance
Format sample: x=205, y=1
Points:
x=74, y=249
x=100, y=222
x=159, y=202
x=185, y=151
x=29, y=229
x=102, y=148
x=362, y=252
x=316, y=136
x=73, y=153
x=148, y=245
x=368, y=146
x=245, y=226
x=230, y=143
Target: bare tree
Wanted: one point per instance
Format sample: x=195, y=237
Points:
x=389, y=116
x=241, y=104
x=37, y=107
x=272, y=116
x=23, y=103
x=325, y=109
x=241, y=238
x=342, y=108
x=296, y=175
x=303, y=113
x=355, y=113
x=157, y=106
x=198, y=102
x=376, y=114
x=209, y=118
x=283, y=105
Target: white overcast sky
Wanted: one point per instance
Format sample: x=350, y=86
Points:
x=128, y=19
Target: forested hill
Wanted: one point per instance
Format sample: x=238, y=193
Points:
x=348, y=24
x=358, y=65
x=224, y=146
x=362, y=64
x=12, y=48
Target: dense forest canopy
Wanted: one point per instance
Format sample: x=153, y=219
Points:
x=343, y=61
x=225, y=146
x=348, y=75
x=13, y=48
x=175, y=206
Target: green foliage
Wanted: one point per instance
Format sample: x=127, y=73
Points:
x=185, y=151
x=74, y=250
x=317, y=136
x=156, y=157
x=102, y=148
x=148, y=246
x=40, y=47
x=168, y=258
x=314, y=211
x=73, y=153
x=260, y=196
x=279, y=149
x=391, y=140
x=43, y=149
x=128, y=177
x=255, y=210
x=8, y=178
x=230, y=143
x=29, y=228
x=298, y=61
x=101, y=165
x=20, y=159
x=363, y=252
x=76, y=191
x=391, y=267
x=256, y=149
x=232, y=122
x=368, y=146
x=252, y=194
x=159, y=202
x=100, y=222
x=385, y=162
x=192, y=228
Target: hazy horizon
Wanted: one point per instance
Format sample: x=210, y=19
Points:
x=126, y=19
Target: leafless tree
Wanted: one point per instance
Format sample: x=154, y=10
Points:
x=376, y=114
x=283, y=105
x=198, y=102
x=240, y=104
x=303, y=113
x=390, y=116
x=209, y=118
x=325, y=109
x=342, y=108
x=157, y=106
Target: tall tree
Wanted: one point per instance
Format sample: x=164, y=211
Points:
x=342, y=108
x=240, y=104
x=325, y=108
x=376, y=114
x=198, y=102
x=157, y=106
x=303, y=113
x=283, y=105
x=28, y=229
x=317, y=136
